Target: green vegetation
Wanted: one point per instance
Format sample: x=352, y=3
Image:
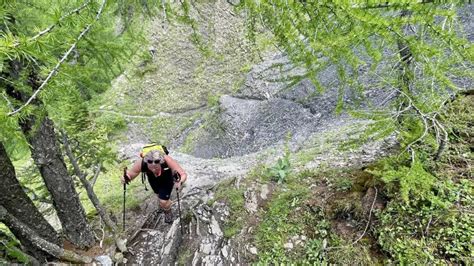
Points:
x=280, y=221
x=10, y=248
x=424, y=210
x=429, y=217
x=282, y=168
x=422, y=213
x=298, y=224
x=234, y=198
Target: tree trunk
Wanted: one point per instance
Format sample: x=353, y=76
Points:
x=47, y=156
x=27, y=233
x=90, y=191
x=19, y=205
x=49, y=160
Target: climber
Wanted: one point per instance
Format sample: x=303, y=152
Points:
x=163, y=172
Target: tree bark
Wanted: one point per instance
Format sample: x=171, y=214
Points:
x=90, y=191
x=27, y=233
x=19, y=205
x=39, y=132
x=50, y=162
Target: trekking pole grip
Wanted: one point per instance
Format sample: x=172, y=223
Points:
x=177, y=177
x=125, y=178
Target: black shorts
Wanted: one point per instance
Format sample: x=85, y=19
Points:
x=162, y=186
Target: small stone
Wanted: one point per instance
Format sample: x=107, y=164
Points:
x=121, y=244
x=206, y=249
x=225, y=252
x=214, y=228
x=118, y=257
x=251, y=202
x=253, y=250
x=264, y=192
x=288, y=245
x=104, y=260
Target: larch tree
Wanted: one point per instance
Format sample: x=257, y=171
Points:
x=54, y=57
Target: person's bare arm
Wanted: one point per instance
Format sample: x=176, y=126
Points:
x=176, y=167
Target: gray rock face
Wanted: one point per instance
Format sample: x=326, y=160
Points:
x=276, y=99
x=251, y=125
x=269, y=108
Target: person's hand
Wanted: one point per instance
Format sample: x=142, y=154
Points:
x=177, y=179
x=125, y=179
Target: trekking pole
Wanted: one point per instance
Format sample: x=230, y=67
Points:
x=178, y=178
x=124, y=193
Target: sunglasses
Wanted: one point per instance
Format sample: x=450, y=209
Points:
x=153, y=162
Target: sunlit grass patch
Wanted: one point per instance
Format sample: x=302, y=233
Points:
x=233, y=197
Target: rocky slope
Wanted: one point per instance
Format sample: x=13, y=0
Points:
x=224, y=137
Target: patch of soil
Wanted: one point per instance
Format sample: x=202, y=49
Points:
x=91, y=252
x=344, y=228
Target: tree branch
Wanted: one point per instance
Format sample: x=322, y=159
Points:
x=53, y=249
x=90, y=191
x=56, y=68
x=96, y=175
x=48, y=29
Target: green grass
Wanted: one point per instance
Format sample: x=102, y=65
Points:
x=109, y=190
x=234, y=199
x=279, y=223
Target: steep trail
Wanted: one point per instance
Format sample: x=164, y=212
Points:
x=151, y=241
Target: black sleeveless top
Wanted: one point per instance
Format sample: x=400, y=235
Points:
x=165, y=177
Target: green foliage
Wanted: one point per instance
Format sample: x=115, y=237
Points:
x=109, y=190
x=314, y=33
x=348, y=37
x=95, y=61
x=282, y=168
x=428, y=219
x=234, y=199
x=413, y=182
x=279, y=222
x=315, y=249
x=430, y=231
x=213, y=100
x=10, y=248
x=343, y=183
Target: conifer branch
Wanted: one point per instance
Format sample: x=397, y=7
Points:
x=51, y=27
x=392, y=5
x=65, y=56
x=9, y=104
